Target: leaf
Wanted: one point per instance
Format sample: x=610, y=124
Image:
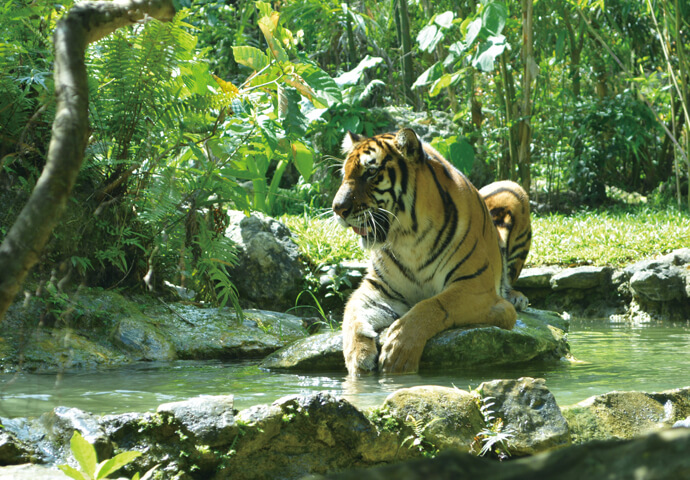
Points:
x=268, y=27
x=429, y=37
x=494, y=17
x=293, y=120
x=487, y=53
x=250, y=57
x=118, y=461
x=355, y=75
x=300, y=85
x=73, y=473
x=431, y=74
x=326, y=89
x=472, y=32
x=445, y=20
x=440, y=84
x=303, y=159
x=84, y=453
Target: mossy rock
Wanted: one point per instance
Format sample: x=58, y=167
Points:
x=537, y=336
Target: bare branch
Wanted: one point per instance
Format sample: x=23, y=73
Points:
x=86, y=22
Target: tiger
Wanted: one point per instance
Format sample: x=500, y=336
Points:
x=442, y=254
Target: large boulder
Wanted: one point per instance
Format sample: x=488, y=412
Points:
x=269, y=273
x=537, y=336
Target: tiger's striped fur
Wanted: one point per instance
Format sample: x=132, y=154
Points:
x=509, y=207
x=436, y=258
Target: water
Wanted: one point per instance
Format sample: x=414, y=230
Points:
x=611, y=356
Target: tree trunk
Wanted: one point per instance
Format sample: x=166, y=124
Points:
x=528, y=73
x=86, y=22
x=406, y=44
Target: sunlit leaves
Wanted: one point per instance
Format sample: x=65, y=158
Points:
x=250, y=57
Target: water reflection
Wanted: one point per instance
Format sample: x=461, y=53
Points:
x=613, y=356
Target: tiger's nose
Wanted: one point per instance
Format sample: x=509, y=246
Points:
x=342, y=209
x=342, y=204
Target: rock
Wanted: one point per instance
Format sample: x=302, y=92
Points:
x=31, y=472
x=322, y=352
x=298, y=435
x=211, y=419
x=581, y=278
x=112, y=330
x=12, y=450
x=537, y=335
x=661, y=280
x=269, y=272
x=626, y=415
x=529, y=410
x=450, y=417
x=145, y=342
x=660, y=456
x=537, y=277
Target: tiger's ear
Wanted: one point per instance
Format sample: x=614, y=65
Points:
x=350, y=141
x=409, y=144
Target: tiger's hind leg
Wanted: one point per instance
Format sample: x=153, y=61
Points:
x=508, y=204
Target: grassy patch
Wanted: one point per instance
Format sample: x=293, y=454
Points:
x=613, y=237
x=322, y=240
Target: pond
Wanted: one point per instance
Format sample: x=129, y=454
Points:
x=611, y=356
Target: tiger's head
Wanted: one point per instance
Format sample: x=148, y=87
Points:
x=378, y=179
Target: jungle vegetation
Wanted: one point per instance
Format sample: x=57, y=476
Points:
x=243, y=104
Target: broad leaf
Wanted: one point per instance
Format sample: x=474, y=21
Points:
x=118, y=461
x=487, y=53
x=268, y=28
x=84, y=453
x=494, y=17
x=445, y=20
x=440, y=84
x=250, y=57
x=352, y=77
x=73, y=473
x=303, y=159
x=324, y=86
x=430, y=75
x=429, y=37
x=472, y=32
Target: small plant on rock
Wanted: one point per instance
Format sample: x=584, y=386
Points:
x=85, y=455
x=494, y=437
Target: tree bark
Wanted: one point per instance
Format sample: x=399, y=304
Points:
x=528, y=73
x=406, y=44
x=86, y=22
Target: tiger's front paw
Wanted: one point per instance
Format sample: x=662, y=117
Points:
x=401, y=350
x=360, y=353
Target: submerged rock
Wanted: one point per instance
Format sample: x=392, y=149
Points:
x=537, y=336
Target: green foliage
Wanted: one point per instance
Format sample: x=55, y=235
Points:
x=494, y=437
x=417, y=440
x=85, y=455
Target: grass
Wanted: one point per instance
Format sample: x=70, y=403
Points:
x=615, y=237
